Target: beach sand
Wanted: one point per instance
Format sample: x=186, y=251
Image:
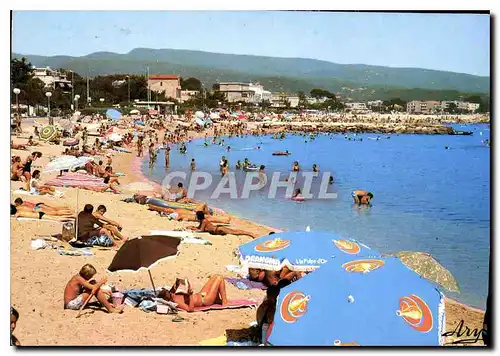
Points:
x=38, y=277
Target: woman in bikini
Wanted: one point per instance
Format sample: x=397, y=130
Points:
x=190, y=215
x=213, y=292
x=207, y=226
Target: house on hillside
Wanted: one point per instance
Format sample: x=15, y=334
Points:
x=52, y=78
x=170, y=84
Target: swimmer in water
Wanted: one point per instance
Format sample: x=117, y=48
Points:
x=315, y=168
x=330, y=180
x=228, y=149
x=296, y=166
x=446, y=148
x=297, y=194
x=238, y=164
x=362, y=197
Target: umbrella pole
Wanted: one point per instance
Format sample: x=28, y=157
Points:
x=76, y=213
x=151, y=278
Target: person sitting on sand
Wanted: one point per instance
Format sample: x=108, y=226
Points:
x=25, y=212
x=37, y=207
x=207, y=226
x=36, y=188
x=31, y=142
x=17, y=170
x=14, y=317
x=109, y=177
x=362, y=197
x=111, y=225
x=82, y=287
x=87, y=230
x=213, y=292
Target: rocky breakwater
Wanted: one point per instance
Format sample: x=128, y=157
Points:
x=397, y=128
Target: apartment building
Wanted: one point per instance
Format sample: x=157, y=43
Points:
x=170, y=84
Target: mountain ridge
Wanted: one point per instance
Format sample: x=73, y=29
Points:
x=212, y=67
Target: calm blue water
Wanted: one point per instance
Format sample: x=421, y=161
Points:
x=426, y=198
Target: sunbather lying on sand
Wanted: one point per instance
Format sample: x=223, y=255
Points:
x=213, y=292
x=16, y=146
x=190, y=215
x=207, y=226
x=81, y=286
x=42, y=207
x=25, y=212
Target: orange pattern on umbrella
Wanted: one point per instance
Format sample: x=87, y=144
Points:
x=347, y=246
x=272, y=245
x=416, y=313
x=294, y=306
x=363, y=266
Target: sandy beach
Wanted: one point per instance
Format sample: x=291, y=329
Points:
x=38, y=277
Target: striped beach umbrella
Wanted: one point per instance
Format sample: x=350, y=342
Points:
x=48, y=132
x=66, y=162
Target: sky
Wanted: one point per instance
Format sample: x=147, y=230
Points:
x=450, y=42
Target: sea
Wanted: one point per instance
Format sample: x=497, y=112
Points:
x=431, y=192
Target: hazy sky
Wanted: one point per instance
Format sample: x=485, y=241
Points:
x=453, y=42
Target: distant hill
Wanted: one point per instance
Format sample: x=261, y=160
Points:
x=277, y=74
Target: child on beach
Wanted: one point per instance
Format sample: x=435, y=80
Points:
x=82, y=287
x=14, y=317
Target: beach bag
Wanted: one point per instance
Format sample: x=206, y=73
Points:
x=68, y=231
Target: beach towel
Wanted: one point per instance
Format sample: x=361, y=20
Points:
x=194, y=240
x=172, y=233
x=44, y=220
x=244, y=284
x=75, y=252
x=233, y=304
x=103, y=240
x=216, y=341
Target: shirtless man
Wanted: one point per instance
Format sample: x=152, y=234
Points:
x=111, y=225
x=207, y=226
x=362, y=197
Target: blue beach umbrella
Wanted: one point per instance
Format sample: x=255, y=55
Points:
x=365, y=302
x=113, y=114
x=300, y=250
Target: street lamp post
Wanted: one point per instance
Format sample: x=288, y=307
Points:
x=48, y=95
x=128, y=83
x=76, y=101
x=17, y=91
